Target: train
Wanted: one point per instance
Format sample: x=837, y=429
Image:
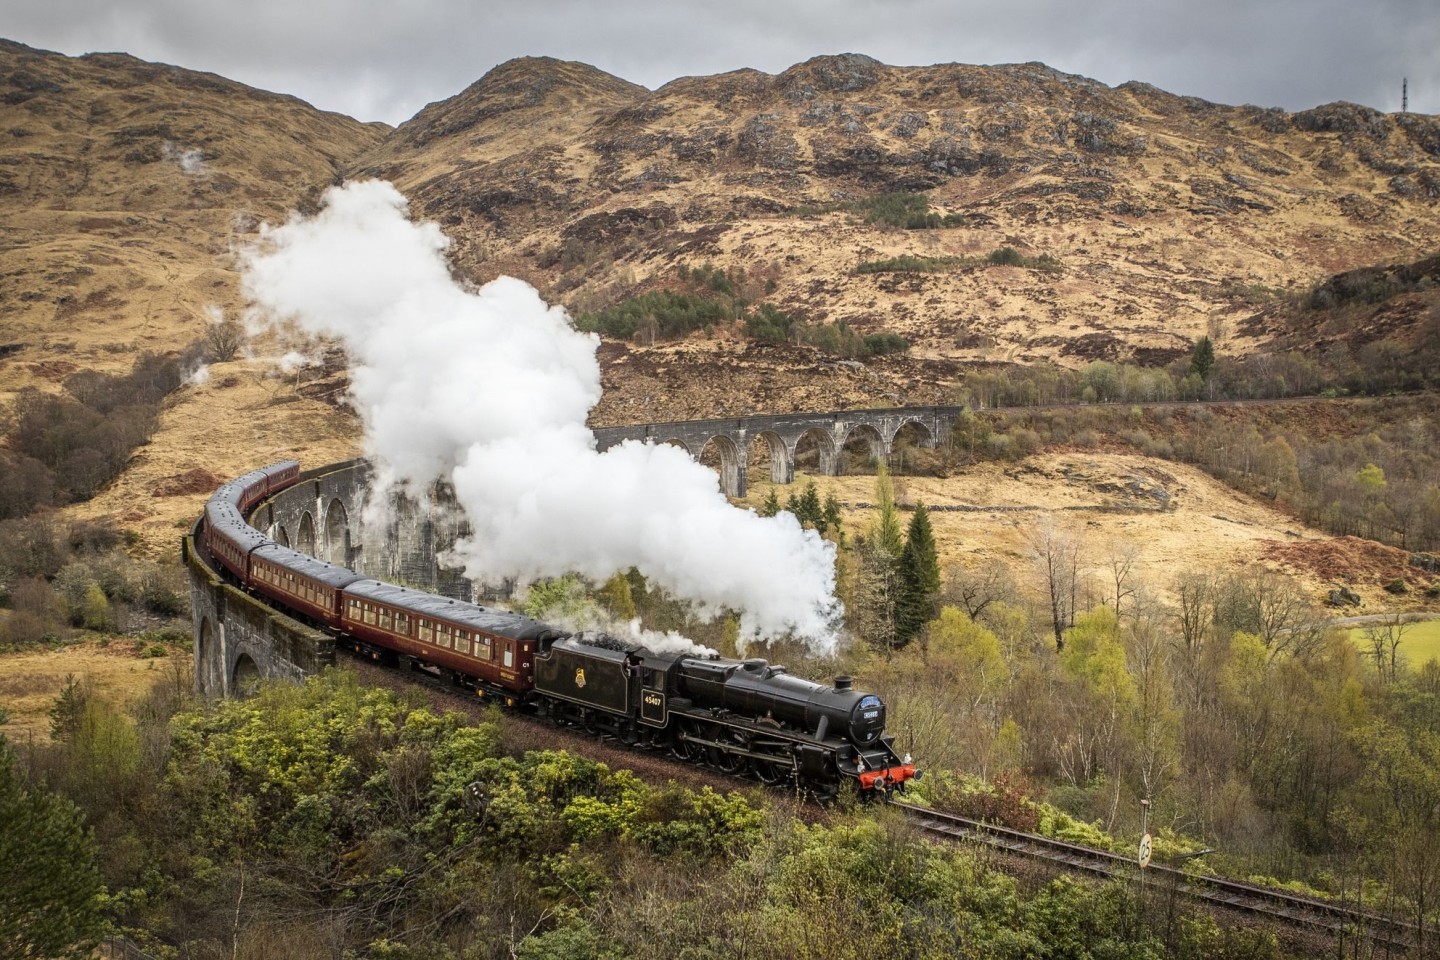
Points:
x=744, y=717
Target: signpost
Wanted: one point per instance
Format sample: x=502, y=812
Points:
x=1146, y=846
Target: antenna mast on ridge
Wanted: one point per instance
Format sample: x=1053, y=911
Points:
x=1405, y=95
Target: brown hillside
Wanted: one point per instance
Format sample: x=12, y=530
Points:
x=1170, y=216
x=123, y=186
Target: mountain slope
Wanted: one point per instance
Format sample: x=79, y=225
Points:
x=123, y=186
x=1169, y=217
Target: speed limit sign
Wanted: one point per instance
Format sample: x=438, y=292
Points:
x=1145, y=850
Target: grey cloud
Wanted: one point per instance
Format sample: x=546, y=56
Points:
x=383, y=60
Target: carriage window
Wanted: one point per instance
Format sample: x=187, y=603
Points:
x=445, y=640
x=369, y=613
x=427, y=631
x=402, y=623
x=387, y=619
x=509, y=657
x=483, y=649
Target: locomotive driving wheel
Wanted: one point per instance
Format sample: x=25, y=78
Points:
x=730, y=756
x=771, y=772
x=683, y=748
x=727, y=761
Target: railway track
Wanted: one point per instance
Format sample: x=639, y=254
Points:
x=1385, y=935
x=1388, y=935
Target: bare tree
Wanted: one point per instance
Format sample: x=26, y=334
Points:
x=224, y=340
x=1280, y=614
x=1384, y=638
x=1057, y=557
x=1121, y=567
x=1156, y=719
x=973, y=590
x=1194, y=616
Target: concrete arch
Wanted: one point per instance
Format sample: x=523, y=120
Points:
x=245, y=676
x=337, y=533
x=825, y=445
x=782, y=465
x=305, y=537
x=732, y=477
x=677, y=442
x=282, y=536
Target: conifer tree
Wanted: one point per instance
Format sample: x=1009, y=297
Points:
x=810, y=510
x=885, y=531
x=831, y=516
x=919, y=592
x=771, y=506
x=1203, y=358
x=49, y=883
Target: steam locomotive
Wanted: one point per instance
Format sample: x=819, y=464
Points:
x=739, y=716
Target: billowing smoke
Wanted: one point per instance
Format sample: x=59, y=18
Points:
x=490, y=389
x=190, y=161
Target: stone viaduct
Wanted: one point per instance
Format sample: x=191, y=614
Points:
x=326, y=514
x=784, y=433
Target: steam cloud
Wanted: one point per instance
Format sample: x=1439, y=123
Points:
x=191, y=161
x=490, y=389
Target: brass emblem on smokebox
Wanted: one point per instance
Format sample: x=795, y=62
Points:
x=580, y=677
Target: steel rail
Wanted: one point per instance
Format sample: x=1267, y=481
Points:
x=1282, y=905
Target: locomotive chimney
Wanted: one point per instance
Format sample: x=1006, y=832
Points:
x=843, y=683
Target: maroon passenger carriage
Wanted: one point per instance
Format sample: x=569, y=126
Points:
x=739, y=716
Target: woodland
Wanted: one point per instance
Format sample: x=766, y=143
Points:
x=1052, y=694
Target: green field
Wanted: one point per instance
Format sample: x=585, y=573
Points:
x=1418, y=644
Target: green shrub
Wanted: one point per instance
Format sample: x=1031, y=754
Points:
x=664, y=313
x=1010, y=257
x=769, y=324
x=909, y=263
x=878, y=344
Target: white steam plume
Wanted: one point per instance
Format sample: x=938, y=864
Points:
x=490, y=389
x=190, y=161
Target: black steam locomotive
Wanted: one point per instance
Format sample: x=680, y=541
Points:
x=740, y=716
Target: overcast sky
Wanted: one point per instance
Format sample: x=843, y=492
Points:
x=385, y=59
